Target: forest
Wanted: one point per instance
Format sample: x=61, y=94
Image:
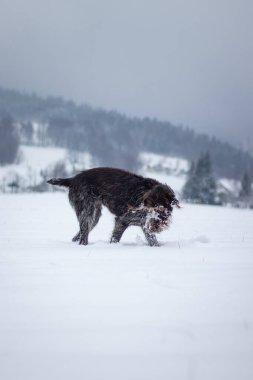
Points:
x=111, y=138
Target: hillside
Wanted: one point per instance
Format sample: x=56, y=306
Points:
x=36, y=164
x=112, y=138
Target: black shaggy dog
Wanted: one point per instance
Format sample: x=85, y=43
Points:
x=133, y=199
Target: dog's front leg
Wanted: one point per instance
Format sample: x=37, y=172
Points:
x=151, y=238
x=119, y=228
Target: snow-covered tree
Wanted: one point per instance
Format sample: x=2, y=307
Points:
x=200, y=186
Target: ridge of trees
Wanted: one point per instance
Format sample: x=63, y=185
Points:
x=115, y=139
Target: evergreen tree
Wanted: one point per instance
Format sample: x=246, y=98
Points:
x=190, y=187
x=200, y=186
x=246, y=189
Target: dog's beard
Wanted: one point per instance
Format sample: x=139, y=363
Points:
x=157, y=220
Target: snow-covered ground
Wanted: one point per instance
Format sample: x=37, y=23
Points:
x=34, y=159
x=173, y=165
x=125, y=311
x=27, y=171
x=176, y=182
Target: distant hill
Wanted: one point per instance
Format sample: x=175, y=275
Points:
x=112, y=138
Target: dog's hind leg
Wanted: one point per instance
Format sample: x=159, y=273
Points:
x=93, y=222
x=97, y=214
x=88, y=219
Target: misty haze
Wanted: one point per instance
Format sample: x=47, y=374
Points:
x=187, y=62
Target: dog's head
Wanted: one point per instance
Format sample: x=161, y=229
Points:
x=161, y=197
x=158, y=203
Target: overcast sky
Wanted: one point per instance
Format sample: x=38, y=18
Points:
x=187, y=61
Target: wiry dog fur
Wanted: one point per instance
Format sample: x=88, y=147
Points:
x=133, y=199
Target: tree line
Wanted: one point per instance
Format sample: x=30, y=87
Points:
x=114, y=139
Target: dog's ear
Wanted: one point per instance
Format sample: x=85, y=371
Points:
x=146, y=195
x=147, y=199
x=154, y=197
x=160, y=195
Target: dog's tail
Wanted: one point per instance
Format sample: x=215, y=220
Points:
x=60, y=181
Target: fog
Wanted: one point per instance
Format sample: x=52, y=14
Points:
x=189, y=62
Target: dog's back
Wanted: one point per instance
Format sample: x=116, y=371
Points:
x=110, y=179
x=117, y=189
x=101, y=175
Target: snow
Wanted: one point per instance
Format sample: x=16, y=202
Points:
x=166, y=169
x=40, y=157
x=124, y=311
x=231, y=185
x=34, y=159
x=173, y=164
x=176, y=182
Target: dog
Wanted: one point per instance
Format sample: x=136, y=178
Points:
x=133, y=199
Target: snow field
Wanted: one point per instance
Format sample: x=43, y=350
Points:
x=34, y=159
x=124, y=311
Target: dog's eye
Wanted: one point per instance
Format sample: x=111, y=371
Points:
x=161, y=208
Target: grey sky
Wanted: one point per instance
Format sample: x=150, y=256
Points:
x=190, y=62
